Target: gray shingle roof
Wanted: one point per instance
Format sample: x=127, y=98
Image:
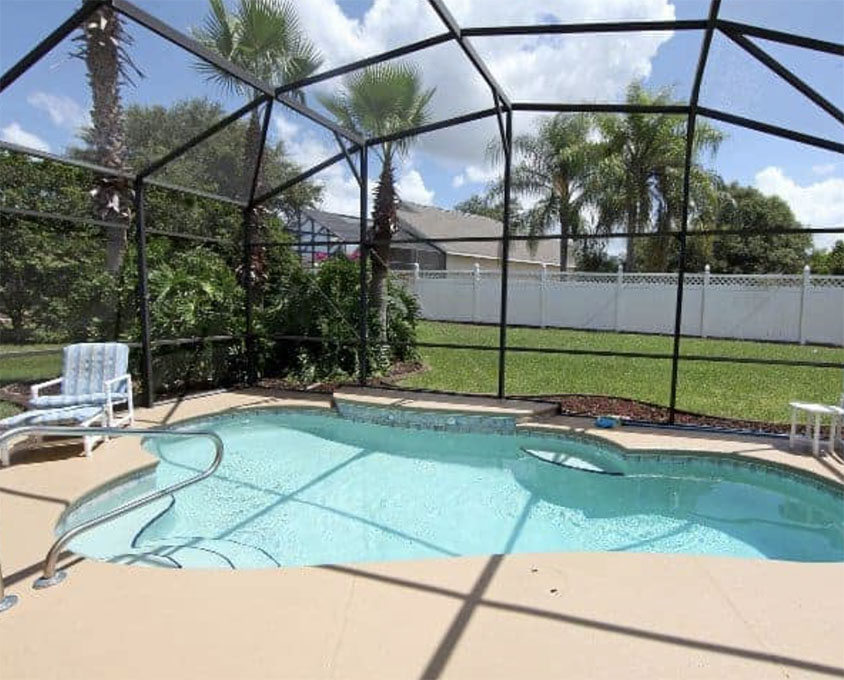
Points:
x=423, y=221
x=430, y=222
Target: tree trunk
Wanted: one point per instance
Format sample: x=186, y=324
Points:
x=383, y=222
x=630, y=255
x=564, y=243
x=111, y=196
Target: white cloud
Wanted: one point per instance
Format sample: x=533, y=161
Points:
x=815, y=205
x=63, y=111
x=458, y=181
x=411, y=187
x=15, y=134
x=824, y=168
x=538, y=68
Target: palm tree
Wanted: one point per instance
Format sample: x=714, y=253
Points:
x=638, y=180
x=553, y=166
x=377, y=101
x=102, y=45
x=264, y=38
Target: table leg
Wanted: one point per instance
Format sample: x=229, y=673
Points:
x=816, y=436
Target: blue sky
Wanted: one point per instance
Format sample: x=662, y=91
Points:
x=47, y=104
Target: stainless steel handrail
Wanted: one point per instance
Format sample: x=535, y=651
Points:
x=51, y=576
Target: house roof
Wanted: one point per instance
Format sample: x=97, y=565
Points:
x=430, y=222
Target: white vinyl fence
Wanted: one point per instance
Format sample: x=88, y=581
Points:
x=804, y=309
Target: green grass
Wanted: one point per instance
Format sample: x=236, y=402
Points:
x=752, y=392
x=745, y=391
x=26, y=369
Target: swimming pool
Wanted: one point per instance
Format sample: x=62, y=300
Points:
x=304, y=488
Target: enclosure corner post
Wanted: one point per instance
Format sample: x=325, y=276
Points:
x=711, y=24
x=148, y=394
x=363, y=369
x=505, y=256
x=249, y=337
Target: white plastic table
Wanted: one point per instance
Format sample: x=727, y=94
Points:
x=814, y=414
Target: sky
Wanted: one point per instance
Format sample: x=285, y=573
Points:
x=48, y=105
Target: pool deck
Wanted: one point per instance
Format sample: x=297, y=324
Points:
x=515, y=616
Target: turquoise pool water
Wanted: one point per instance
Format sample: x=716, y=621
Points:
x=299, y=488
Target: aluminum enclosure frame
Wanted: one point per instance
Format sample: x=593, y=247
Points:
x=503, y=109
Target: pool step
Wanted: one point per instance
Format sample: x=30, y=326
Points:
x=120, y=532
x=211, y=553
x=142, y=558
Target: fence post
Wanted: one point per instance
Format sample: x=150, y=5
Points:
x=416, y=283
x=543, y=294
x=619, y=286
x=804, y=298
x=476, y=284
x=703, y=291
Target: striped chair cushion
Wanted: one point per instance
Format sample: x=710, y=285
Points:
x=52, y=417
x=62, y=400
x=85, y=368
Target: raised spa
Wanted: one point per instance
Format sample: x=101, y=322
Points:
x=302, y=488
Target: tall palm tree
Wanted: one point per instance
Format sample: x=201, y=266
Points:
x=103, y=46
x=553, y=165
x=265, y=38
x=376, y=101
x=638, y=181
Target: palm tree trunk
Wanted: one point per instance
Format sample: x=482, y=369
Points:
x=564, y=243
x=111, y=196
x=630, y=255
x=383, y=221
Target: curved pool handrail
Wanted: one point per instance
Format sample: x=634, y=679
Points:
x=51, y=576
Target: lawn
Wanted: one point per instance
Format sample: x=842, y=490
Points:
x=28, y=369
x=744, y=391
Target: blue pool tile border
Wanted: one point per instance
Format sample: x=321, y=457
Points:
x=427, y=420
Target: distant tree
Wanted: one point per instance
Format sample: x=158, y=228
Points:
x=829, y=262
x=591, y=256
x=489, y=205
x=552, y=168
x=638, y=181
x=756, y=251
x=215, y=164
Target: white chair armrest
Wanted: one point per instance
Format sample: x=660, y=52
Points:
x=109, y=384
x=39, y=386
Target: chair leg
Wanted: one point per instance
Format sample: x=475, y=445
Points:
x=816, y=435
x=5, y=455
x=793, y=434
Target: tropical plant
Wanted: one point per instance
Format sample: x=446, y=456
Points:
x=103, y=46
x=264, y=38
x=376, y=101
x=552, y=170
x=637, y=183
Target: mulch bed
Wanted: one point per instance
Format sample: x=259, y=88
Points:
x=590, y=405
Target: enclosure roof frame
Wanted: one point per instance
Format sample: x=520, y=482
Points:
x=736, y=31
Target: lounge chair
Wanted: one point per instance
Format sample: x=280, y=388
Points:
x=82, y=416
x=93, y=374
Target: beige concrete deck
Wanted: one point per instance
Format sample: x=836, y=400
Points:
x=517, y=616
